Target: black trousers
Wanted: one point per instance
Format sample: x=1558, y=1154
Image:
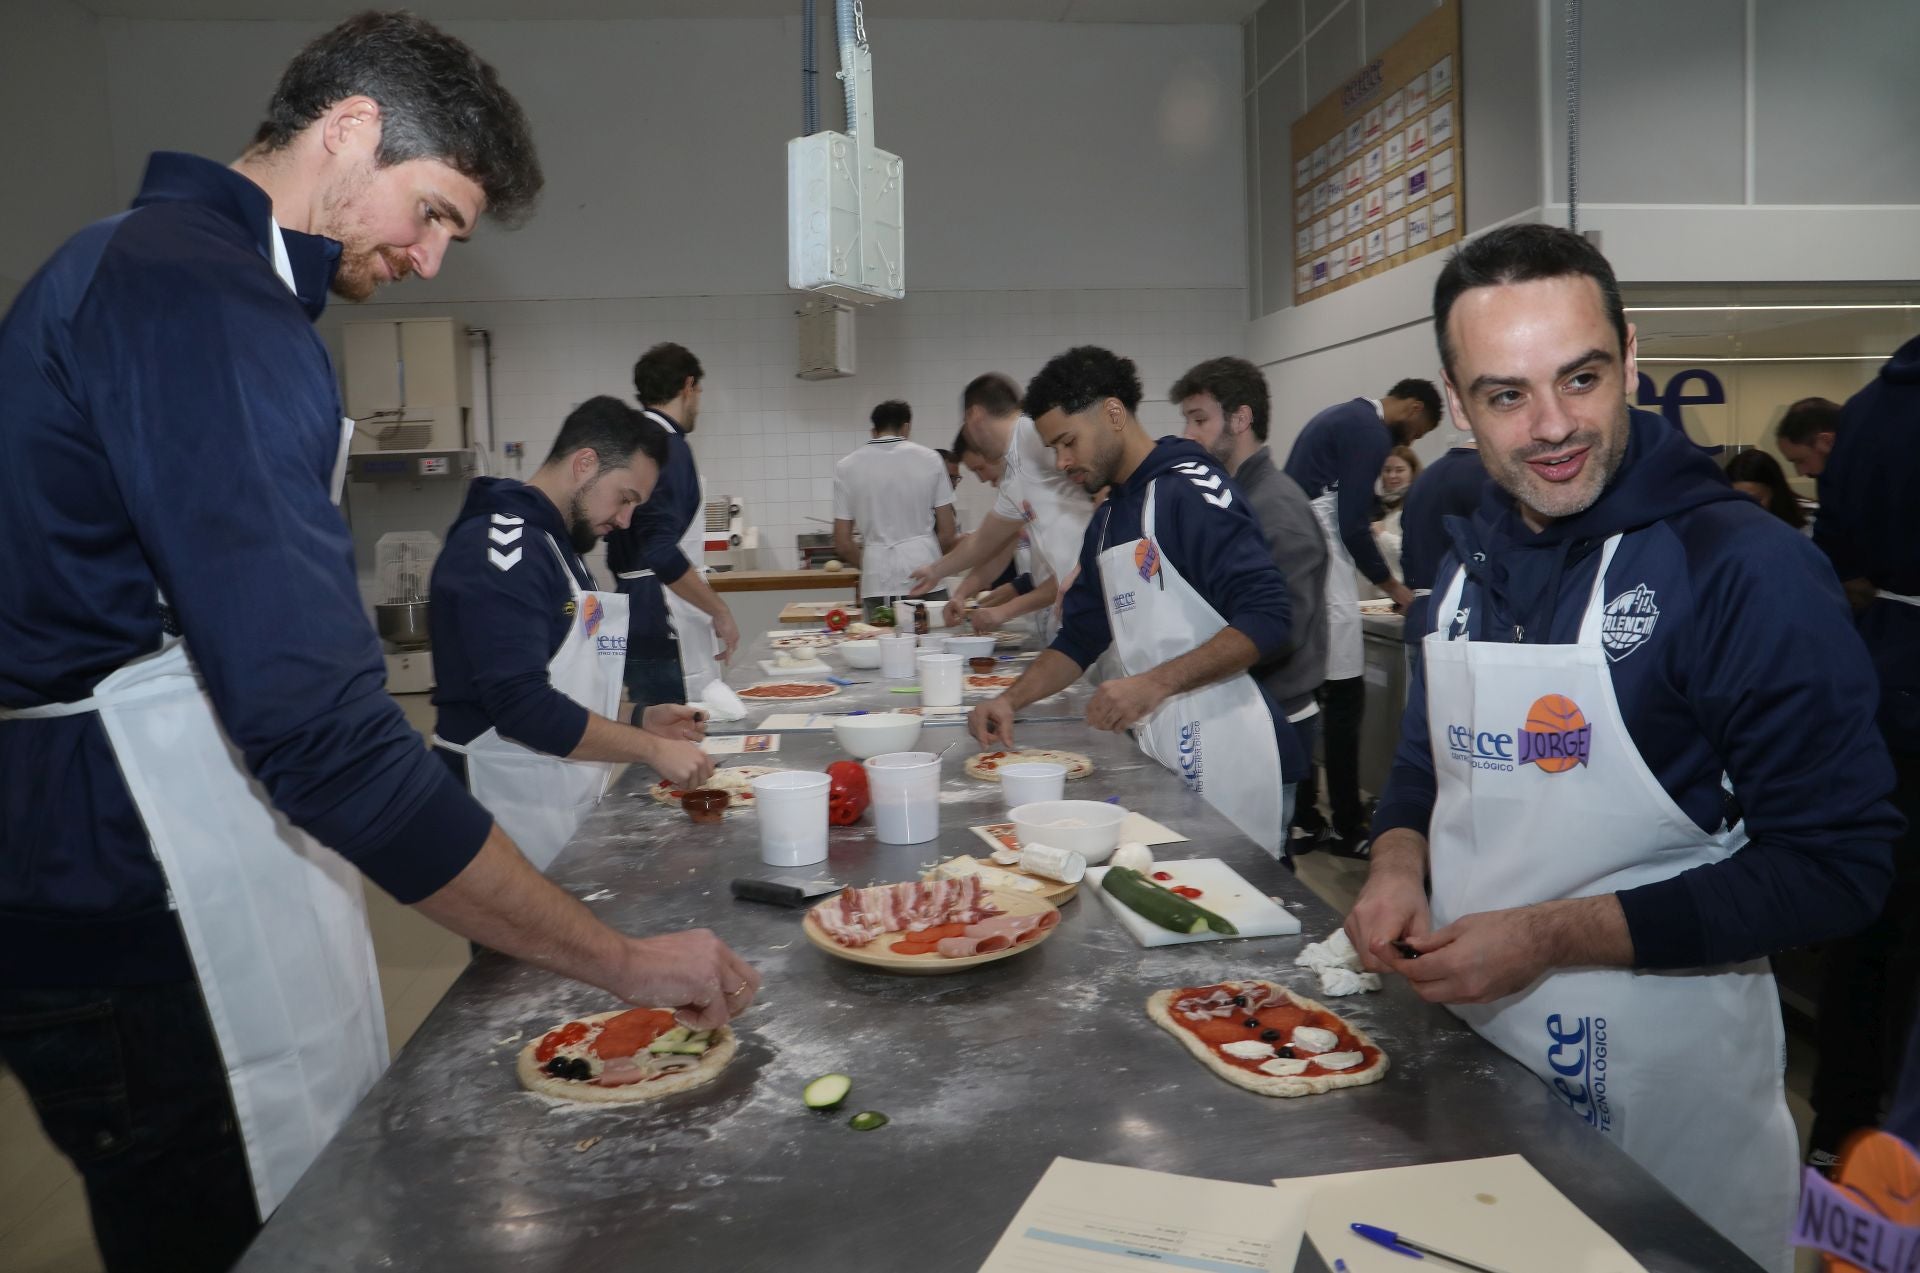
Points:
x=1868, y=996
x=1342, y=705
x=128, y=1083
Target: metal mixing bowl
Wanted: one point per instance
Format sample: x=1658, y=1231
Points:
x=403, y=623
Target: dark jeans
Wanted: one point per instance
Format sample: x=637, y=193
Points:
x=1342, y=704
x=129, y=1084
x=652, y=681
x=1867, y=999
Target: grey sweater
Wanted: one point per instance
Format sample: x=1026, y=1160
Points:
x=1300, y=551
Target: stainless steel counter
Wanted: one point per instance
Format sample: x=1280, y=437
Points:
x=987, y=1075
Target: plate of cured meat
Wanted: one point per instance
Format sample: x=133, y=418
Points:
x=928, y=927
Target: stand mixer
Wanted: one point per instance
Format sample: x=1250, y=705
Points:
x=404, y=562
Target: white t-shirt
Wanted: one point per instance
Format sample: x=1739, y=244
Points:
x=1054, y=506
x=889, y=489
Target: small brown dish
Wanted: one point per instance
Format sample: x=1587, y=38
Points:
x=983, y=664
x=706, y=806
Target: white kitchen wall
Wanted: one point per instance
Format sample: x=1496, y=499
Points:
x=771, y=439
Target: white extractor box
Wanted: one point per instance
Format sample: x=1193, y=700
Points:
x=409, y=384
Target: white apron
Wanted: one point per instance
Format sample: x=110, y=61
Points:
x=692, y=627
x=1683, y=1070
x=1346, y=652
x=275, y=922
x=541, y=800
x=1218, y=738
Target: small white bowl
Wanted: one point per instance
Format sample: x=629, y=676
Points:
x=861, y=653
x=970, y=647
x=876, y=734
x=1095, y=840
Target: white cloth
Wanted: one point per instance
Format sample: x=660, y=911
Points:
x=1542, y=795
x=720, y=700
x=1387, y=534
x=1337, y=964
x=1218, y=738
x=1346, y=653
x=540, y=800
x=889, y=489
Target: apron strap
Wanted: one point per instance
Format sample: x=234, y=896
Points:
x=566, y=568
x=50, y=711
x=1449, y=604
x=1597, y=602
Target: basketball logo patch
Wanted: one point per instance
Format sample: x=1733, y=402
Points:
x=1146, y=559
x=1556, y=735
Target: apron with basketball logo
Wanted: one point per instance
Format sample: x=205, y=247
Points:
x=1542, y=795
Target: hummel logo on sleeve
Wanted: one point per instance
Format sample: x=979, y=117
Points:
x=503, y=561
x=1208, y=481
x=504, y=531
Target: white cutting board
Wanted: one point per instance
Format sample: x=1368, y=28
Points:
x=1223, y=890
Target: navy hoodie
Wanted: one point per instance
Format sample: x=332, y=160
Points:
x=1341, y=450
x=652, y=542
x=500, y=612
x=1451, y=486
x=1742, y=661
x=1867, y=495
x=1207, y=531
x=170, y=423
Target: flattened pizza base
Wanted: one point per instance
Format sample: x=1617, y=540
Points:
x=1160, y=1008
x=1078, y=766
x=734, y=779
x=822, y=690
x=712, y=1061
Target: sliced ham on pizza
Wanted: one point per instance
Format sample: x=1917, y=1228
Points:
x=622, y=1057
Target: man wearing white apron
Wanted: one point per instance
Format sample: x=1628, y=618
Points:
x=1014, y=593
x=1034, y=496
x=1639, y=753
x=1176, y=578
x=1336, y=460
x=529, y=656
x=896, y=493
x=681, y=631
x=191, y=695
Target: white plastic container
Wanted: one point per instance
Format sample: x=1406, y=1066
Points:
x=896, y=657
x=791, y=806
x=1031, y=782
x=860, y=654
x=905, y=786
x=1090, y=828
x=876, y=734
x=940, y=676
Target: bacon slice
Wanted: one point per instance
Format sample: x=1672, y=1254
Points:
x=858, y=915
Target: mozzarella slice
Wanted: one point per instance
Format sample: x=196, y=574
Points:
x=1338, y=1060
x=1247, y=1050
x=1283, y=1067
x=1309, y=1038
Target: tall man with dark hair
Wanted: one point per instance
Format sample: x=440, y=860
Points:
x=1336, y=460
x=682, y=630
x=530, y=656
x=1638, y=754
x=1224, y=402
x=896, y=492
x=1176, y=578
x=1806, y=434
x=1868, y=469
x=1451, y=486
x=197, y=751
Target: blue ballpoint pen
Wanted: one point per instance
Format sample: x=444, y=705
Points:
x=1402, y=1245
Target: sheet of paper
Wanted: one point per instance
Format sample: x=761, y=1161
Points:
x=1094, y=1218
x=1138, y=827
x=740, y=744
x=797, y=720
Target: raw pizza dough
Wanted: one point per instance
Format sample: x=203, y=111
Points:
x=1160, y=1008
x=986, y=764
x=736, y=781
x=788, y=691
x=988, y=682
x=707, y=1068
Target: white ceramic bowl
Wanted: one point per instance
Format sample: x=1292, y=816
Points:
x=1095, y=840
x=876, y=734
x=970, y=647
x=861, y=653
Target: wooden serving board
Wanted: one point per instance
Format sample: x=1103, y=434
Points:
x=1054, y=891
x=876, y=955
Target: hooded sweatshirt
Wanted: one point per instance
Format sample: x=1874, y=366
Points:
x=1341, y=450
x=500, y=612
x=1206, y=530
x=1739, y=659
x=1867, y=495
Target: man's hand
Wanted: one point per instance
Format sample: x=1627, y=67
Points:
x=1487, y=956
x=1119, y=704
x=987, y=619
x=692, y=972
x=991, y=723
x=1393, y=904
x=681, y=763
x=1401, y=594
x=926, y=578
x=675, y=720
x=1860, y=593
x=728, y=634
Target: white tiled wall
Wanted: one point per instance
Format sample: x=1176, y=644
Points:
x=772, y=439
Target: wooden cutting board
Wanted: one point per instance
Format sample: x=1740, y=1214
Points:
x=1223, y=890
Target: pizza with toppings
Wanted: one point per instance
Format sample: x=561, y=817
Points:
x=736, y=781
x=987, y=764
x=989, y=682
x=788, y=690
x=932, y=921
x=620, y=1057
x=1267, y=1039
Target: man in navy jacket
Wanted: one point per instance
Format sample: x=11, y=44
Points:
x=173, y=436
